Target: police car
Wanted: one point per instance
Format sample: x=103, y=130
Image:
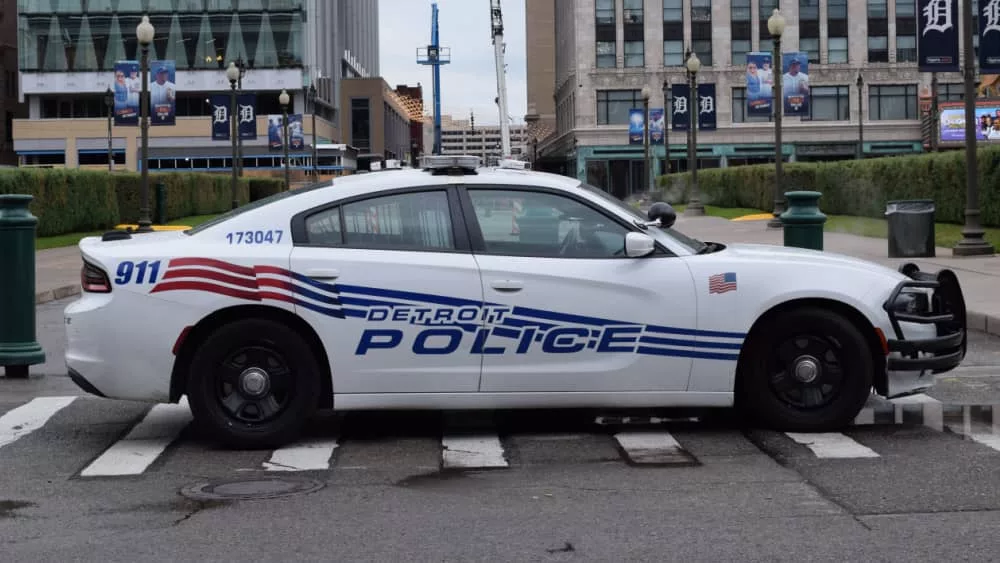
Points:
x=458, y=286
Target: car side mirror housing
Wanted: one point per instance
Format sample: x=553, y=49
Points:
x=664, y=212
x=638, y=245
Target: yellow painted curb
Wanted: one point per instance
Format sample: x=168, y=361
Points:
x=155, y=227
x=756, y=217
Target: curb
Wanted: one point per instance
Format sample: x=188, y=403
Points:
x=71, y=290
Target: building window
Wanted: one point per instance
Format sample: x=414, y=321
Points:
x=836, y=32
x=361, y=124
x=951, y=92
x=613, y=106
x=829, y=103
x=809, y=29
x=673, y=33
x=764, y=10
x=878, y=31
x=906, y=31
x=701, y=30
x=892, y=102
x=633, y=12
x=740, y=108
x=606, y=34
x=739, y=17
x=634, y=56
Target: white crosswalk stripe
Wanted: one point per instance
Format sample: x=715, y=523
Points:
x=832, y=445
x=29, y=417
x=481, y=451
x=653, y=448
x=134, y=453
x=304, y=455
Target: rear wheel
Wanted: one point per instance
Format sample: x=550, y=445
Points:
x=810, y=369
x=253, y=383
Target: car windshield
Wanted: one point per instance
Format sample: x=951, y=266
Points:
x=254, y=205
x=693, y=244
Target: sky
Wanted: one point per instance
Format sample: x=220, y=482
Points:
x=469, y=81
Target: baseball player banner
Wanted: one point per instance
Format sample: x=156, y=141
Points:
x=795, y=83
x=680, y=95
x=937, y=34
x=760, y=84
x=163, y=93
x=706, y=107
x=276, y=132
x=636, y=127
x=656, y=125
x=989, y=37
x=127, y=86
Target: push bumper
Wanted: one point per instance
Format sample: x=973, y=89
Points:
x=946, y=312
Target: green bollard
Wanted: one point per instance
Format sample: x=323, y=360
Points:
x=803, y=221
x=161, y=204
x=18, y=345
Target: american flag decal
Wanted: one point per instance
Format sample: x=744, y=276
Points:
x=721, y=283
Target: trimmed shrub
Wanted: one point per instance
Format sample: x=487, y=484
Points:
x=851, y=187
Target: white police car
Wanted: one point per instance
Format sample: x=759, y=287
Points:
x=459, y=287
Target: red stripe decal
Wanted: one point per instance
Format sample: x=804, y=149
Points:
x=280, y=284
x=209, y=262
x=209, y=274
x=207, y=287
x=277, y=296
x=272, y=270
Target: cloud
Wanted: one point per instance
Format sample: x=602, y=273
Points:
x=469, y=82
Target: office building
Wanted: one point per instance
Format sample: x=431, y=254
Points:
x=604, y=51
x=376, y=121
x=68, y=50
x=464, y=136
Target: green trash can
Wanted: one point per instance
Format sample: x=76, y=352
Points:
x=803, y=222
x=18, y=345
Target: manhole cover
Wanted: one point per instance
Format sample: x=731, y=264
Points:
x=253, y=488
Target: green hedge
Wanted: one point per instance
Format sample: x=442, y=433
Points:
x=68, y=201
x=850, y=187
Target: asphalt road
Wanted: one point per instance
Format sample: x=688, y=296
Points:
x=911, y=480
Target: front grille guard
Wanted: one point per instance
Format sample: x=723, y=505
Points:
x=947, y=314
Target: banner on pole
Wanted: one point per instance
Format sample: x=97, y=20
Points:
x=127, y=86
x=656, y=125
x=760, y=84
x=163, y=93
x=680, y=119
x=706, y=107
x=937, y=35
x=275, y=132
x=636, y=126
x=795, y=83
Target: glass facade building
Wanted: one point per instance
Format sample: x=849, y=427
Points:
x=90, y=35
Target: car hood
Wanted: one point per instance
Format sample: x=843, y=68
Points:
x=804, y=257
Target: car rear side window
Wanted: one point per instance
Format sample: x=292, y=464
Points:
x=407, y=221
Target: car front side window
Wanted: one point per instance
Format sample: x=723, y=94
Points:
x=404, y=221
x=545, y=225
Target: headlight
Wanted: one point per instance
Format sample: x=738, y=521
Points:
x=911, y=303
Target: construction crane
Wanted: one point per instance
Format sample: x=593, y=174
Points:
x=498, y=48
x=435, y=56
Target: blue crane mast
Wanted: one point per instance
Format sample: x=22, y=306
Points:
x=435, y=56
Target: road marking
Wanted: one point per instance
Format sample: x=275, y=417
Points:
x=831, y=445
x=29, y=417
x=473, y=451
x=977, y=431
x=144, y=443
x=910, y=399
x=306, y=455
x=652, y=448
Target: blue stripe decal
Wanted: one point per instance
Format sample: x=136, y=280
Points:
x=564, y=317
x=299, y=290
x=510, y=321
x=362, y=302
x=356, y=313
x=694, y=332
x=420, y=297
x=693, y=343
x=318, y=309
x=317, y=284
x=686, y=354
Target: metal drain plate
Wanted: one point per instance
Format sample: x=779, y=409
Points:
x=251, y=488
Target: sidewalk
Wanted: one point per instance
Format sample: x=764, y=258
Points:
x=57, y=271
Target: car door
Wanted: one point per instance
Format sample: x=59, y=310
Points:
x=578, y=315
x=391, y=286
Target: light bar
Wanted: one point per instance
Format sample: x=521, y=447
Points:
x=443, y=161
x=512, y=163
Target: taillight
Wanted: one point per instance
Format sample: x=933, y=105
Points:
x=93, y=279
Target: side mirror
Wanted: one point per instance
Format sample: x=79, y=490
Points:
x=638, y=245
x=664, y=212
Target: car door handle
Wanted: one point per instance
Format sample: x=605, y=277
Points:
x=321, y=274
x=507, y=285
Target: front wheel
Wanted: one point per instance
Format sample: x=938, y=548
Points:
x=810, y=369
x=253, y=384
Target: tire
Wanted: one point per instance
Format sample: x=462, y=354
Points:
x=772, y=395
x=274, y=415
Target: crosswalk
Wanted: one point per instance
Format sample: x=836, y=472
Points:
x=137, y=447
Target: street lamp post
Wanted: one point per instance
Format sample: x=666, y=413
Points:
x=646, y=93
x=861, y=119
x=776, y=26
x=109, y=101
x=283, y=100
x=144, y=33
x=312, y=102
x=695, y=207
x=972, y=243
x=667, y=114
x=233, y=74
